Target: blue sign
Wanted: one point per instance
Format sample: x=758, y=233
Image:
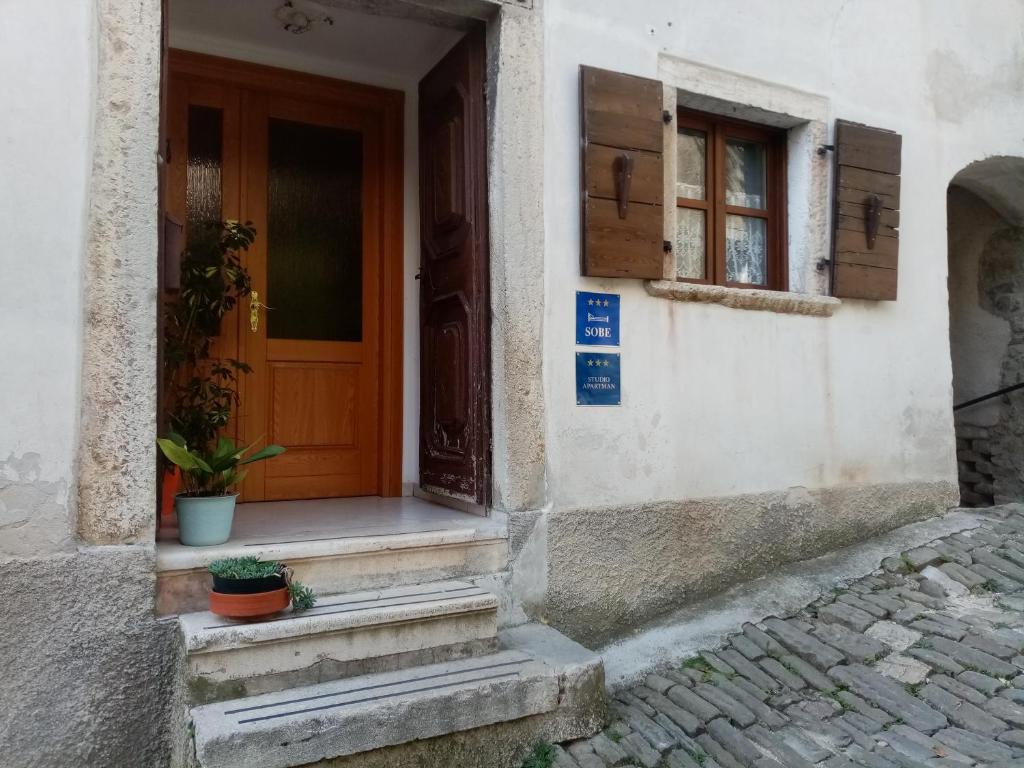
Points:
x=597, y=319
x=598, y=378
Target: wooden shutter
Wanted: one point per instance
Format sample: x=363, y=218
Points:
x=622, y=135
x=867, y=196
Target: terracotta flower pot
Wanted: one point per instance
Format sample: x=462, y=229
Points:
x=249, y=607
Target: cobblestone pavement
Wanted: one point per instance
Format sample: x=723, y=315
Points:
x=918, y=664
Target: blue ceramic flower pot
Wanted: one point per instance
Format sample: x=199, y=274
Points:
x=204, y=520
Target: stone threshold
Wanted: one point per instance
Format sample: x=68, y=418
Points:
x=206, y=632
x=781, y=302
x=337, y=546
x=539, y=681
x=172, y=556
x=317, y=528
x=342, y=636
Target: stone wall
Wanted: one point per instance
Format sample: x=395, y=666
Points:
x=599, y=573
x=974, y=464
x=1001, y=289
x=986, y=256
x=89, y=673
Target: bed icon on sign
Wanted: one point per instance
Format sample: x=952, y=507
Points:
x=598, y=378
x=597, y=319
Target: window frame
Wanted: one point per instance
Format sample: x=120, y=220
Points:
x=717, y=131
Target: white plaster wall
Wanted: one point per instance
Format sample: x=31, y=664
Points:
x=289, y=55
x=721, y=401
x=47, y=52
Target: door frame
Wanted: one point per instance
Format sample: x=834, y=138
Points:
x=386, y=107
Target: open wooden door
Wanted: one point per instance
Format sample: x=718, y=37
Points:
x=454, y=297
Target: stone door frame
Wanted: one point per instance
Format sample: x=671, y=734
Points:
x=117, y=494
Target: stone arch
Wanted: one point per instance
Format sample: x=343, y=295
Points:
x=985, y=215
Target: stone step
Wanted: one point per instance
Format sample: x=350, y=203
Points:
x=539, y=674
x=339, y=564
x=342, y=636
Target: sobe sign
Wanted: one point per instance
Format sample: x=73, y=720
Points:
x=598, y=374
x=597, y=319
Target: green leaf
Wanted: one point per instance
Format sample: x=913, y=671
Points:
x=182, y=456
x=269, y=452
x=236, y=477
x=225, y=447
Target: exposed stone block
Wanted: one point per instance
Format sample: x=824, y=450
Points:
x=803, y=645
x=890, y=696
x=847, y=615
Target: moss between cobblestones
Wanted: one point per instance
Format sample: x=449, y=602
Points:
x=543, y=756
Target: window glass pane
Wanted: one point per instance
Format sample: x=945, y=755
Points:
x=690, y=245
x=691, y=164
x=203, y=194
x=746, y=250
x=744, y=173
x=314, y=233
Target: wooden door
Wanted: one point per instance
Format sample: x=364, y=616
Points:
x=311, y=332
x=454, y=297
x=316, y=165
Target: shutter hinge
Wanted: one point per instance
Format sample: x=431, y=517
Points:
x=666, y=116
x=826, y=148
x=823, y=264
x=666, y=246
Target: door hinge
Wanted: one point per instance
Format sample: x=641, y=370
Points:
x=666, y=116
x=666, y=246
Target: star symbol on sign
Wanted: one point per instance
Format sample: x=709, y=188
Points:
x=606, y=302
x=606, y=364
x=590, y=363
x=590, y=302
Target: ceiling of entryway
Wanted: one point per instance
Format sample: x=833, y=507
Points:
x=400, y=48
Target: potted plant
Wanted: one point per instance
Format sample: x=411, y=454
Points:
x=206, y=505
x=248, y=588
x=199, y=388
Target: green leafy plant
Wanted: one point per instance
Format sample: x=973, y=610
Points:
x=250, y=567
x=200, y=388
x=211, y=473
x=302, y=596
x=542, y=756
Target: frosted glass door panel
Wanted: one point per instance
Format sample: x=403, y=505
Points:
x=204, y=169
x=314, y=232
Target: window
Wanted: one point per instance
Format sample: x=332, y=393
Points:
x=730, y=203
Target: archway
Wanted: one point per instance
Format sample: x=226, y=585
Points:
x=985, y=214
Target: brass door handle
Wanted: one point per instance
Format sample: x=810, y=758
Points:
x=255, y=305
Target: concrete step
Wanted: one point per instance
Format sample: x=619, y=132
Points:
x=342, y=636
x=339, y=564
x=539, y=673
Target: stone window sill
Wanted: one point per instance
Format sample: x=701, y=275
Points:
x=745, y=298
